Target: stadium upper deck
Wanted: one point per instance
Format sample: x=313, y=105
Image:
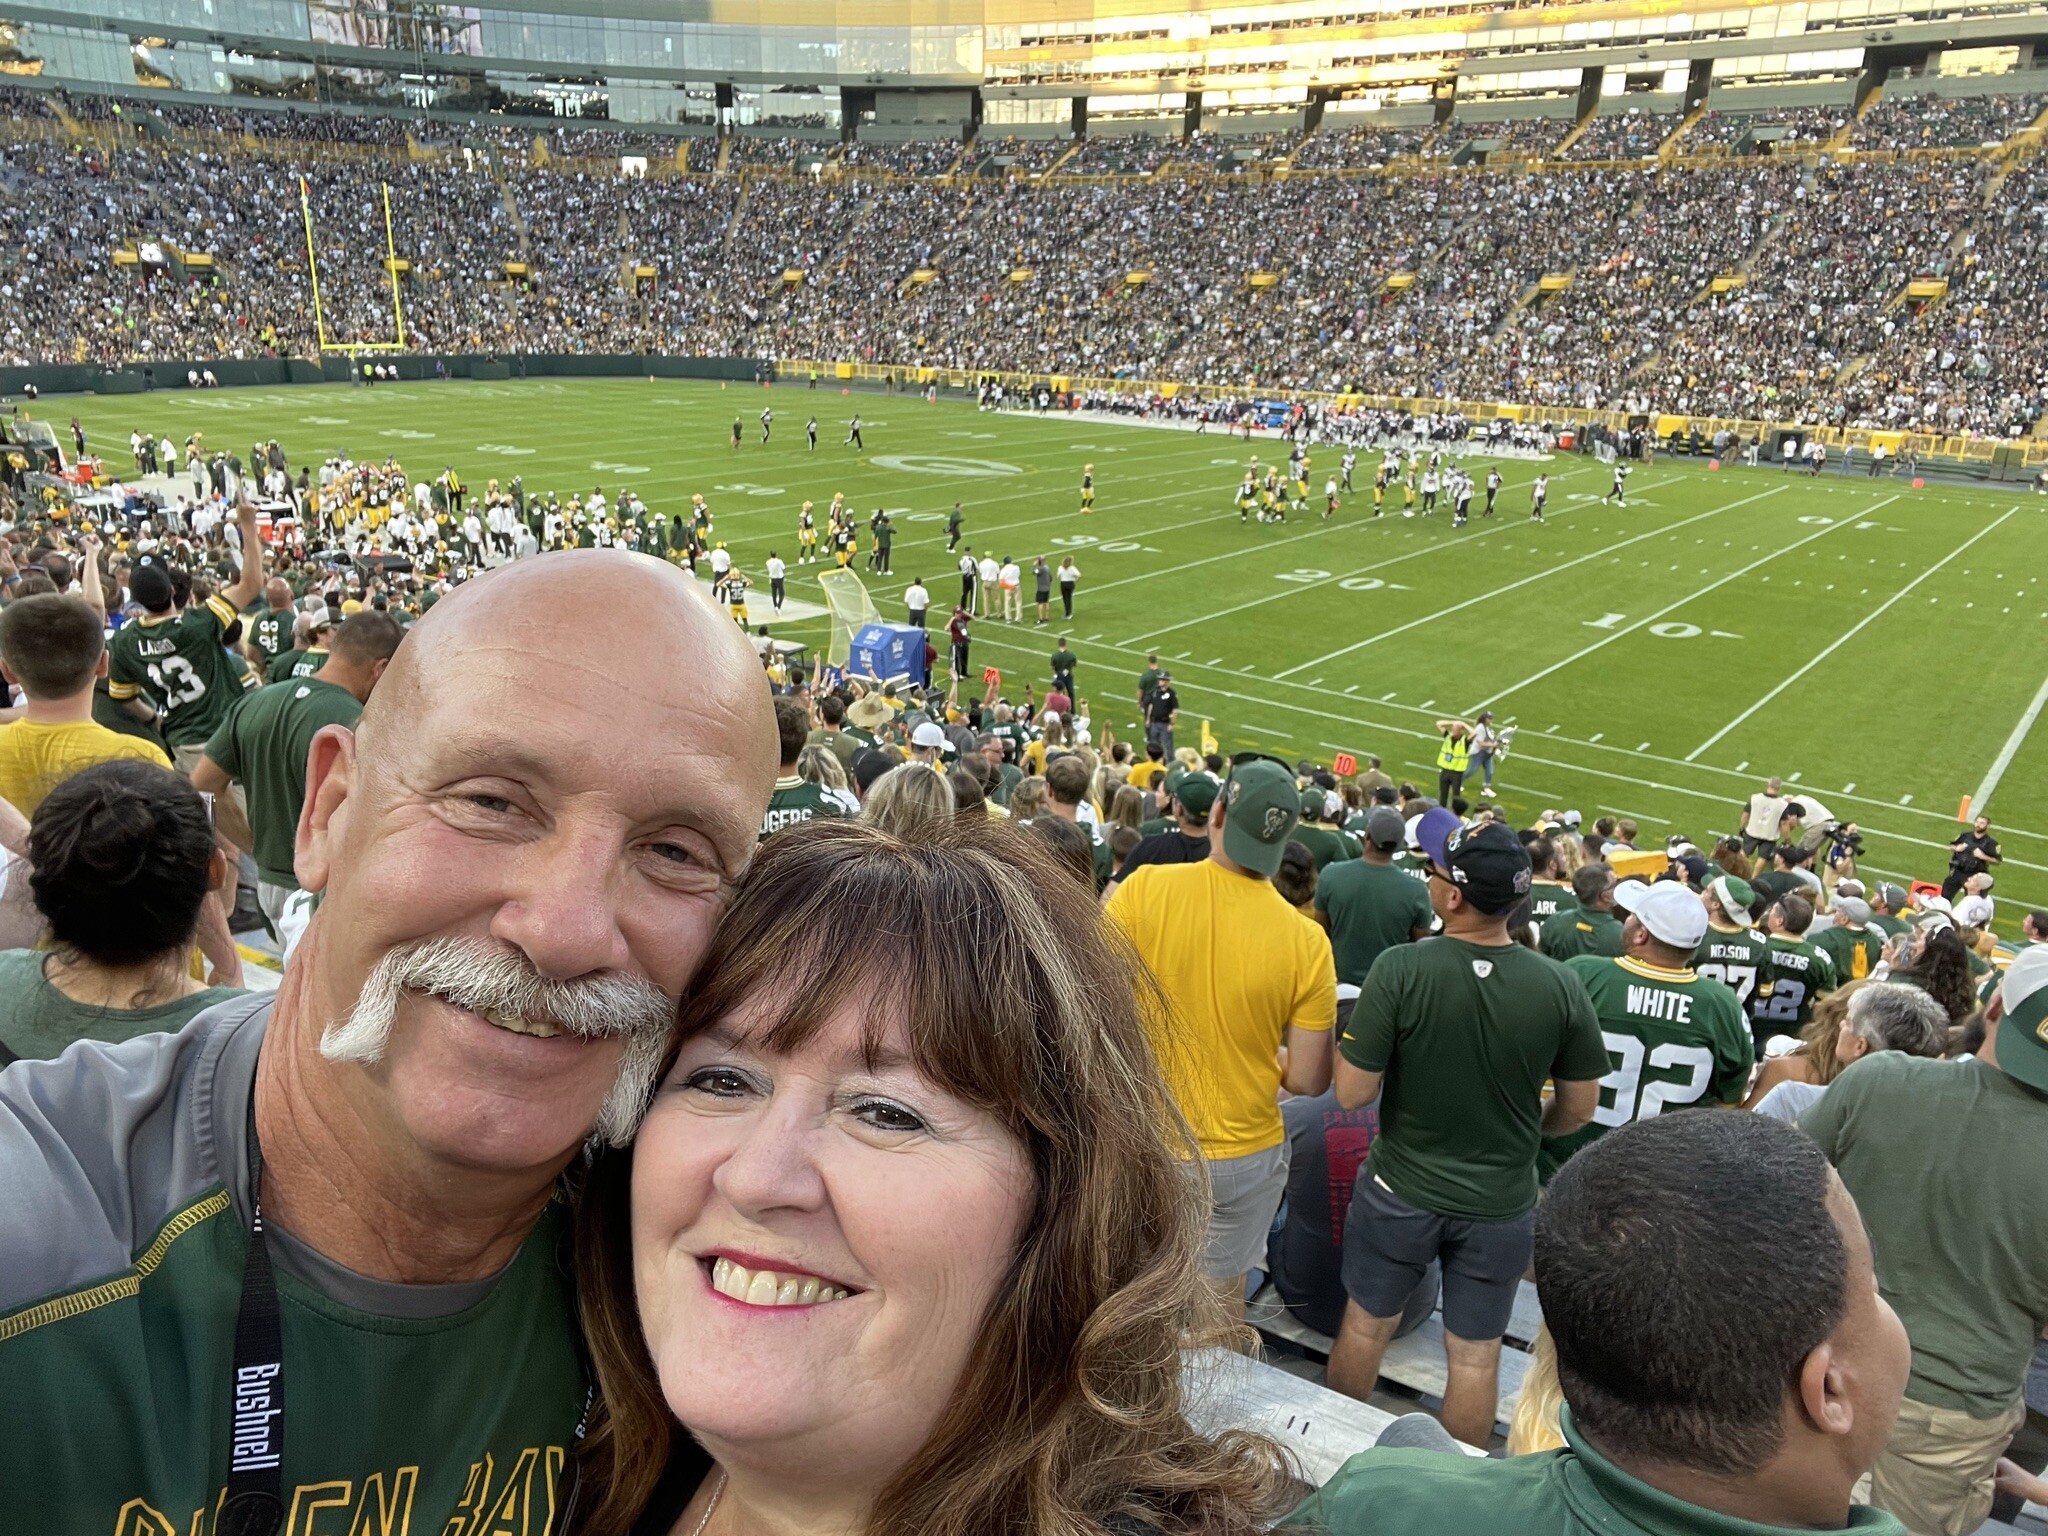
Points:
x=1880, y=267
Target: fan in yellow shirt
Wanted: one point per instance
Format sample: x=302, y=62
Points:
x=53, y=647
x=1244, y=976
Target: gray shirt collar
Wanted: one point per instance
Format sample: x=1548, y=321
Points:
x=226, y=1087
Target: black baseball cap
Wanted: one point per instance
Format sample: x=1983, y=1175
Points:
x=1489, y=864
x=150, y=585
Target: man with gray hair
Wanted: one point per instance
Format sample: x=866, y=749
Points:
x=310, y=1248
x=1883, y=1016
x=1947, y=1160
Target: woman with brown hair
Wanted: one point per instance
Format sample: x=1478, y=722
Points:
x=907, y=1242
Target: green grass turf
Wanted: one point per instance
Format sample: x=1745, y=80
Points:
x=1877, y=645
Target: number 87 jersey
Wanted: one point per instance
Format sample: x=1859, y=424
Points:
x=182, y=663
x=1676, y=1039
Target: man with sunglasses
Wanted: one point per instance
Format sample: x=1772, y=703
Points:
x=1462, y=1031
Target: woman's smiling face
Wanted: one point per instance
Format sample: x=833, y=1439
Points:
x=817, y=1237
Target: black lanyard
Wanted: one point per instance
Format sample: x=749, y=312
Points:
x=255, y=1493
x=254, y=1505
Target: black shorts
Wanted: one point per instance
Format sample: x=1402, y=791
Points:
x=1389, y=1244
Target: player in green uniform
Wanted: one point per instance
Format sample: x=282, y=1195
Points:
x=1247, y=497
x=1733, y=951
x=1795, y=974
x=179, y=659
x=1675, y=1038
x=1088, y=488
x=1852, y=942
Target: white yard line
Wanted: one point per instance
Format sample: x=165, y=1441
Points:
x=2005, y=753
x=1542, y=575
x=1865, y=622
x=1690, y=597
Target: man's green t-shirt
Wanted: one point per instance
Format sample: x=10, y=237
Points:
x=115, y=718
x=38, y=1021
x=838, y=743
x=1467, y=1034
x=1735, y=958
x=269, y=630
x=1581, y=931
x=1571, y=1492
x=1371, y=907
x=1674, y=1039
x=1148, y=681
x=1414, y=866
x=1854, y=952
x=1793, y=977
x=1947, y=1160
x=264, y=745
x=1326, y=845
x=797, y=800
x=1547, y=899
x=182, y=663
x=299, y=663
x=393, y=1421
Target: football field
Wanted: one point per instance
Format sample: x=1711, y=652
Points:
x=1884, y=648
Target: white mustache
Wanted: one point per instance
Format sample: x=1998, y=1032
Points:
x=485, y=977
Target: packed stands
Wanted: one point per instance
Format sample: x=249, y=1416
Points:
x=1624, y=136
x=1665, y=286
x=1945, y=122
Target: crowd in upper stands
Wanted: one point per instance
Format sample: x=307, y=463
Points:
x=1812, y=316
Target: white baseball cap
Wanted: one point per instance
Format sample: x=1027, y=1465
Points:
x=1674, y=914
x=927, y=735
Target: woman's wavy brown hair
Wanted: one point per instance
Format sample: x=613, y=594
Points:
x=1017, y=998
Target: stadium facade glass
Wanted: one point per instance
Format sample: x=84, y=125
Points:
x=787, y=63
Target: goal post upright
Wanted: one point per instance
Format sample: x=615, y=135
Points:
x=312, y=263
x=352, y=348
x=391, y=266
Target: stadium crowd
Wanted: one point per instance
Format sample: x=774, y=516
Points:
x=566, y=1115
x=1035, y=275
x=740, y=1098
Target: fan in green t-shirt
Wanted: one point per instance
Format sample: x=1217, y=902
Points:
x=264, y=745
x=1368, y=904
x=120, y=836
x=178, y=658
x=1794, y=975
x=1708, y=1259
x=1588, y=926
x=1852, y=943
x=1675, y=1038
x=1315, y=831
x=1732, y=952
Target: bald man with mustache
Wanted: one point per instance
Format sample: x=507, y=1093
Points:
x=511, y=902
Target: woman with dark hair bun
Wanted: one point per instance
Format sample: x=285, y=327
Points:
x=122, y=856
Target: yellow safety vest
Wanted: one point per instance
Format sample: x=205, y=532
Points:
x=1454, y=754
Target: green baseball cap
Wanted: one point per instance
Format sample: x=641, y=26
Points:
x=1261, y=807
x=2023, y=1026
x=1197, y=793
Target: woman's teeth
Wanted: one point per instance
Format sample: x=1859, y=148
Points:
x=771, y=1288
x=542, y=1028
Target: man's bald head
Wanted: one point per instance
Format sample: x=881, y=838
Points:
x=278, y=593
x=564, y=767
